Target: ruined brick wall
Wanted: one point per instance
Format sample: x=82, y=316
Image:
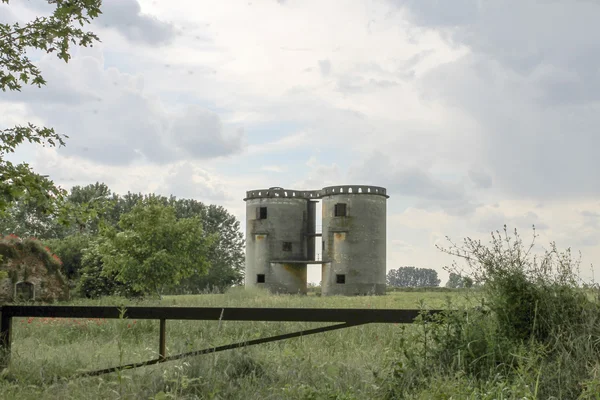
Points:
x=36, y=267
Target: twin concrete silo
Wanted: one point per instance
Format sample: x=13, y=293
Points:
x=279, y=227
x=281, y=232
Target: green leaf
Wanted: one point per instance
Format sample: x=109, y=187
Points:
x=57, y=31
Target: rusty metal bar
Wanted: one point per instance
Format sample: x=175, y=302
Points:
x=228, y=314
x=221, y=348
x=162, y=341
x=5, y=339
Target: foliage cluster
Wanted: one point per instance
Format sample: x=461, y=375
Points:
x=106, y=227
x=457, y=281
x=152, y=248
x=52, y=34
x=536, y=334
x=412, y=277
x=13, y=247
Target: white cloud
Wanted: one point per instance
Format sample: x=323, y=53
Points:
x=110, y=118
x=273, y=168
x=468, y=123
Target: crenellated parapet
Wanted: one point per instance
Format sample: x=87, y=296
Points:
x=353, y=189
x=280, y=192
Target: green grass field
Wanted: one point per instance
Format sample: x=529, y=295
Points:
x=345, y=364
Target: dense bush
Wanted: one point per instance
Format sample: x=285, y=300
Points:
x=93, y=283
x=14, y=247
x=70, y=250
x=537, y=336
x=87, y=209
x=457, y=281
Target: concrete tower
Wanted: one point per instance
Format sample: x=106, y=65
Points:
x=280, y=232
x=354, y=240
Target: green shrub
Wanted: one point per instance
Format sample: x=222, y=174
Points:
x=539, y=328
x=70, y=250
x=93, y=283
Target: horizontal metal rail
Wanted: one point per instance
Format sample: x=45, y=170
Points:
x=220, y=348
x=347, y=316
x=219, y=313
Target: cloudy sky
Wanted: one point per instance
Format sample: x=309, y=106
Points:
x=472, y=113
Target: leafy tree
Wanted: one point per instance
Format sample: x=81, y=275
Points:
x=412, y=277
x=88, y=205
x=27, y=217
x=82, y=210
x=457, y=281
x=71, y=250
x=125, y=204
x=225, y=258
x=94, y=281
x=154, y=249
x=53, y=34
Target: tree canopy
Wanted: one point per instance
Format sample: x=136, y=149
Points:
x=154, y=248
x=52, y=34
x=94, y=206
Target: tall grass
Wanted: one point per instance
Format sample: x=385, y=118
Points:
x=342, y=364
x=530, y=331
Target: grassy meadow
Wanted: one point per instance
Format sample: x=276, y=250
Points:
x=346, y=364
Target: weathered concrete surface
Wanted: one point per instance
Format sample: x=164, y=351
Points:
x=288, y=278
x=286, y=222
x=354, y=245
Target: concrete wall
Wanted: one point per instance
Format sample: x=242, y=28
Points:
x=286, y=222
x=288, y=278
x=355, y=244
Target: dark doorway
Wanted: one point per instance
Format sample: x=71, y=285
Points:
x=24, y=291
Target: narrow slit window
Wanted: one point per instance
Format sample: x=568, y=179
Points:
x=340, y=278
x=340, y=210
x=287, y=246
x=260, y=278
x=261, y=213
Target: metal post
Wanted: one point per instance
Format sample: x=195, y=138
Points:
x=5, y=339
x=162, y=341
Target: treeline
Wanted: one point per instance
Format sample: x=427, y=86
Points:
x=457, y=281
x=135, y=243
x=412, y=277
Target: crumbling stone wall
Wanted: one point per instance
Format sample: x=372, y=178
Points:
x=26, y=260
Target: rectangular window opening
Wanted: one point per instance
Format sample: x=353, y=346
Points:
x=260, y=278
x=340, y=278
x=287, y=246
x=340, y=210
x=261, y=213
